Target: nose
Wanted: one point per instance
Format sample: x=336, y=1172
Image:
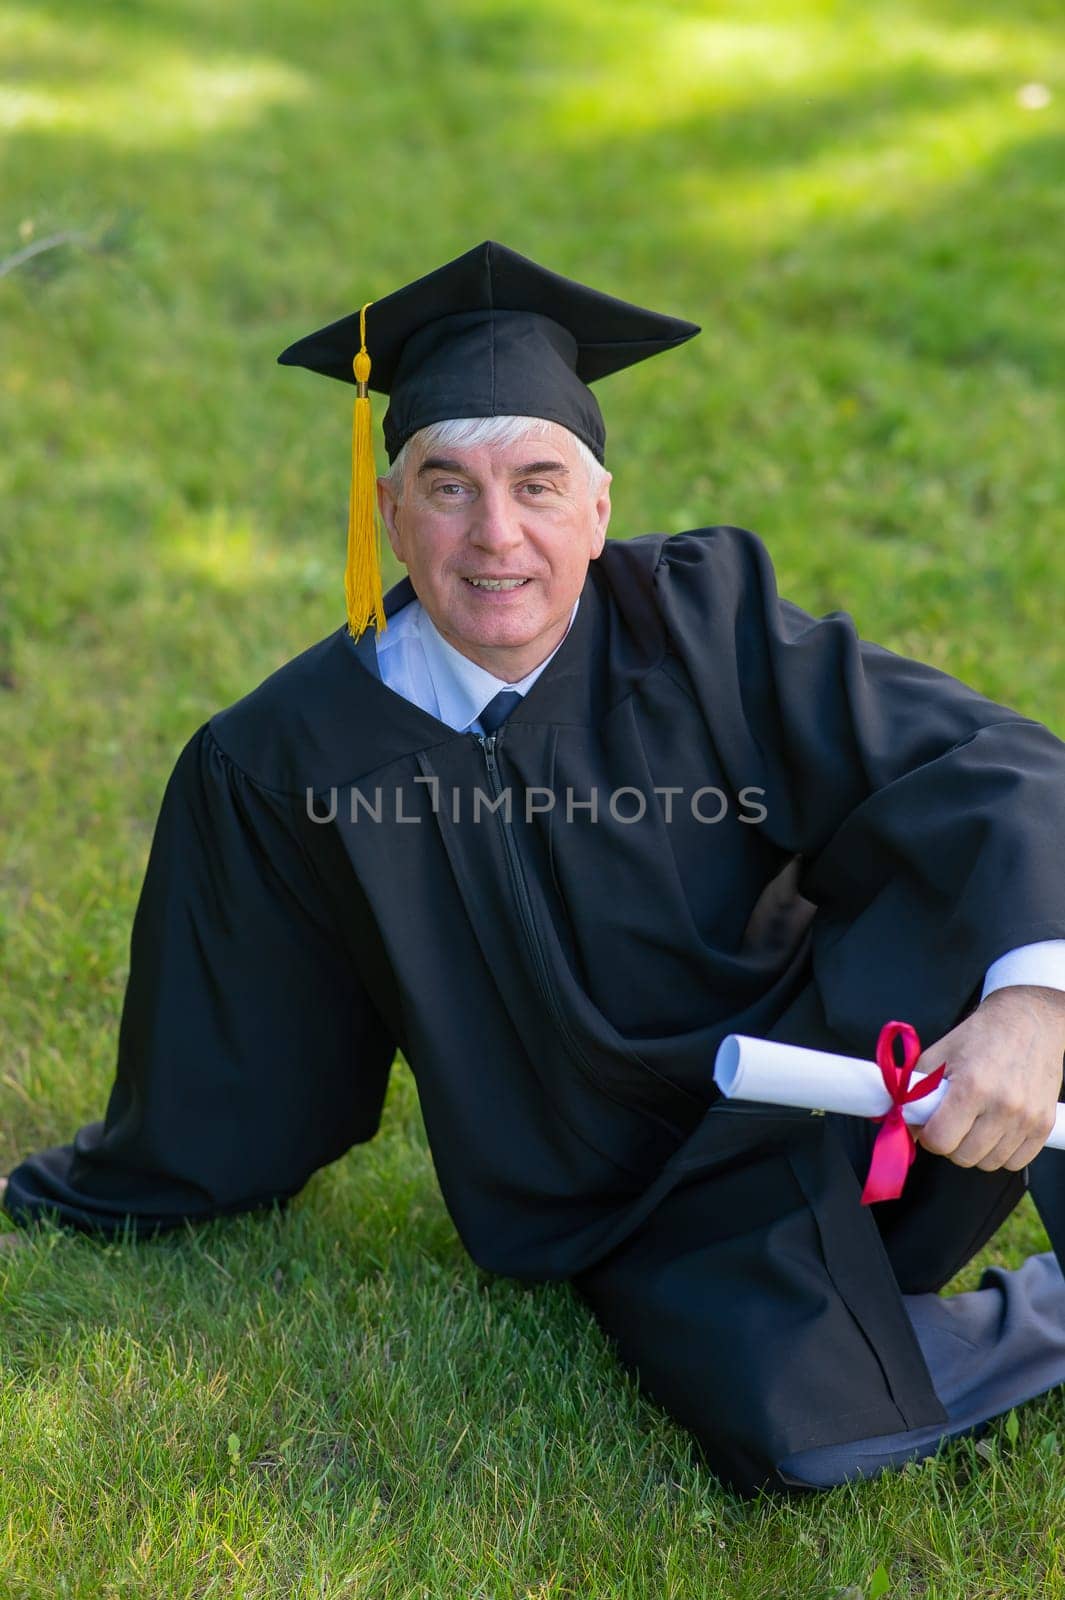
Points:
x=495, y=525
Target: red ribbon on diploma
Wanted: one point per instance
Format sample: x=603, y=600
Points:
x=895, y=1147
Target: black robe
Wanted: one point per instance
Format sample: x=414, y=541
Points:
x=320, y=892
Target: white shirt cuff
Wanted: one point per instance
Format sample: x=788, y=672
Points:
x=1042, y=964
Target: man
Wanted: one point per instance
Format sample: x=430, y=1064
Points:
x=577, y=812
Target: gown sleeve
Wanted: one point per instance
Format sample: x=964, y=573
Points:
x=249, y=1053
x=927, y=821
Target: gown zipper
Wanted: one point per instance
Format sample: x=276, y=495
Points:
x=489, y=744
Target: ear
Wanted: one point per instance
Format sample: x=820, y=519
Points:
x=388, y=505
x=602, y=516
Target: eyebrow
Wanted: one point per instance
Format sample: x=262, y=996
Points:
x=443, y=464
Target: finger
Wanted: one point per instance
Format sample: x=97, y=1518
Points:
x=1004, y=1156
x=1015, y=1155
x=949, y=1126
x=973, y=1130
x=1025, y=1155
x=1014, y=1146
x=932, y=1058
x=986, y=1135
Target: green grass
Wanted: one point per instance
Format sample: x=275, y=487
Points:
x=865, y=218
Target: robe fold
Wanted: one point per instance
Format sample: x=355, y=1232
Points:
x=712, y=813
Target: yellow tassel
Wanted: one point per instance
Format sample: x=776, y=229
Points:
x=362, y=576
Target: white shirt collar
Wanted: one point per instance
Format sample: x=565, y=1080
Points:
x=462, y=688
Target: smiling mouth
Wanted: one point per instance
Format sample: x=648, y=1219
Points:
x=495, y=584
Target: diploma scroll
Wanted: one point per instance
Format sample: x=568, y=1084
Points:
x=789, y=1075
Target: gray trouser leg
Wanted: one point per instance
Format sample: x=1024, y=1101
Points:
x=987, y=1351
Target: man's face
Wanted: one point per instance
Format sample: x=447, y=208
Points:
x=522, y=513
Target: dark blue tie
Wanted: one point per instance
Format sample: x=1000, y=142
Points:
x=498, y=710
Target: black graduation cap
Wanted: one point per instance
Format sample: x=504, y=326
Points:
x=489, y=334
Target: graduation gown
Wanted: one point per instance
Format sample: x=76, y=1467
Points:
x=724, y=815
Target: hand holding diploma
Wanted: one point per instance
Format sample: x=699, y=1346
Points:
x=894, y=1093
x=1004, y=1063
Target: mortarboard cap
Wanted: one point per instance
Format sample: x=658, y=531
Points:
x=488, y=334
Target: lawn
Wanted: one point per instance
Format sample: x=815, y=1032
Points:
x=861, y=206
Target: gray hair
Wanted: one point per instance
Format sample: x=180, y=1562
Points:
x=458, y=432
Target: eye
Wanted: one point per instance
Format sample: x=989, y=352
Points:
x=536, y=488
x=448, y=490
